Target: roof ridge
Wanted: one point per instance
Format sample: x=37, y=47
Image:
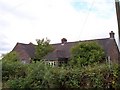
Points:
x=67, y=42
x=95, y=39
x=25, y=43
x=81, y=41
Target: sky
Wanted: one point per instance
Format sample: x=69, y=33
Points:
x=25, y=21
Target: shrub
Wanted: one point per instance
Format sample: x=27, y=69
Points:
x=87, y=53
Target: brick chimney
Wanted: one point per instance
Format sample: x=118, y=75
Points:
x=112, y=35
x=63, y=40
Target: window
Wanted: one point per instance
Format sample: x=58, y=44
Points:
x=54, y=63
x=49, y=63
x=23, y=62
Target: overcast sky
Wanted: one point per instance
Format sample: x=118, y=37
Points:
x=25, y=21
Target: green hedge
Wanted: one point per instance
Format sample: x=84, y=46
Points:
x=40, y=75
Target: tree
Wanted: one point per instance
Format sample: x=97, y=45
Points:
x=12, y=56
x=86, y=53
x=43, y=47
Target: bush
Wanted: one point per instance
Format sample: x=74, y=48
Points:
x=87, y=53
x=38, y=75
x=12, y=68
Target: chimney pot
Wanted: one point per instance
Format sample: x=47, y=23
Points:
x=112, y=34
x=63, y=40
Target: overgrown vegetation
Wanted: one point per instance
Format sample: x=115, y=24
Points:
x=39, y=75
x=87, y=53
x=42, y=48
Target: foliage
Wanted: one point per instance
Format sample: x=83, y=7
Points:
x=86, y=53
x=43, y=47
x=40, y=75
x=37, y=75
x=10, y=57
x=97, y=76
x=12, y=68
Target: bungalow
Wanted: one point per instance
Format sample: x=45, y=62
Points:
x=61, y=53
